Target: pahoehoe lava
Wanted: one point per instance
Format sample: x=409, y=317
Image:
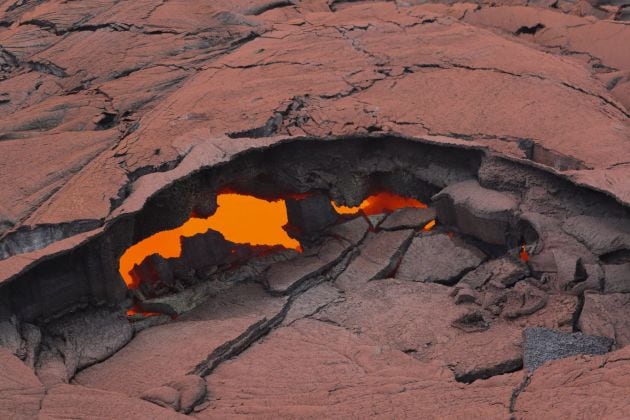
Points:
x=337, y=209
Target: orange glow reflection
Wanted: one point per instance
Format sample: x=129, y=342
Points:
x=239, y=218
x=380, y=203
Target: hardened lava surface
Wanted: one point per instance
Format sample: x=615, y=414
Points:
x=506, y=296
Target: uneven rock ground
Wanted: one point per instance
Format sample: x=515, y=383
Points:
x=105, y=103
x=109, y=91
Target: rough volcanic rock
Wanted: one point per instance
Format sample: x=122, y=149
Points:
x=600, y=235
x=439, y=259
x=156, y=356
x=379, y=255
x=310, y=216
x=558, y=314
x=10, y=337
x=408, y=218
x=284, y=277
x=192, y=391
x=164, y=396
x=582, y=386
x=505, y=271
x=321, y=370
x=21, y=392
x=313, y=301
x=81, y=340
x=465, y=294
x=115, y=114
x=542, y=345
x=63, y=401
x=617, y=278
x=204, y=250
x=174, y=104
x=175, y=42
x=608, y=316
x=416, y=318
x=522, y=300
x=569, y=270
x=477, y=211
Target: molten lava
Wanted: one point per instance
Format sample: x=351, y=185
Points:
x=523, y=254
x=380, y=203
x=430, y=225
x=239, y=218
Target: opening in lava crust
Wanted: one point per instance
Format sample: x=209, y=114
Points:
x=248, y=220
x=215, y=223
x=351, y=230
x=239, y=218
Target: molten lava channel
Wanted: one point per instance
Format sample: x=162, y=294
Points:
x=245, y=219
x=382, y=202
x=241, y=219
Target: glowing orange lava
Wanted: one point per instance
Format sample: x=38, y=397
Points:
x=380, y=203
x=239, y=218
x=523, y=254
x=134, y=311
x=429, y=225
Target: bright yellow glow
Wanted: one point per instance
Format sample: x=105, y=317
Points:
x=239, y=218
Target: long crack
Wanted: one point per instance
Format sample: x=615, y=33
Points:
x=262, y=328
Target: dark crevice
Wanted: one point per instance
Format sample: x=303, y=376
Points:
x=333, y=4
x=260, y=329
x=47, y=68
x=529, y=30
x=604, y=100
x=23, y=3
x=275, y=122
x=27, y=239
x=515, y=393
x=113, y=26
x=133, y=176
x=276, y=4
x=575, y=319
x=233, y=348
x=502, y=368
x=106, y=121
x=621, y=256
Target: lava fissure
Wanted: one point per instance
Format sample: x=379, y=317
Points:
x=517, y=391
x=260, y=329
x=508, y=366
x=235, y=347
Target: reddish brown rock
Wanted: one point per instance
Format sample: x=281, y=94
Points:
x=379, y=255
x=192, y=391
x=320, y=370
x=438, y=259
x=164, y=396
x=408, y=218
x=156, y=356
x=590, y=386
x=607, y=316
x=285, y=277
x=168, y=46
x=477, y=211
x=108, y=107
x=21, y=392
x=76, y=401
x=416, y=318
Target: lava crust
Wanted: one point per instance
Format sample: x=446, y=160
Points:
x=491, y=280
